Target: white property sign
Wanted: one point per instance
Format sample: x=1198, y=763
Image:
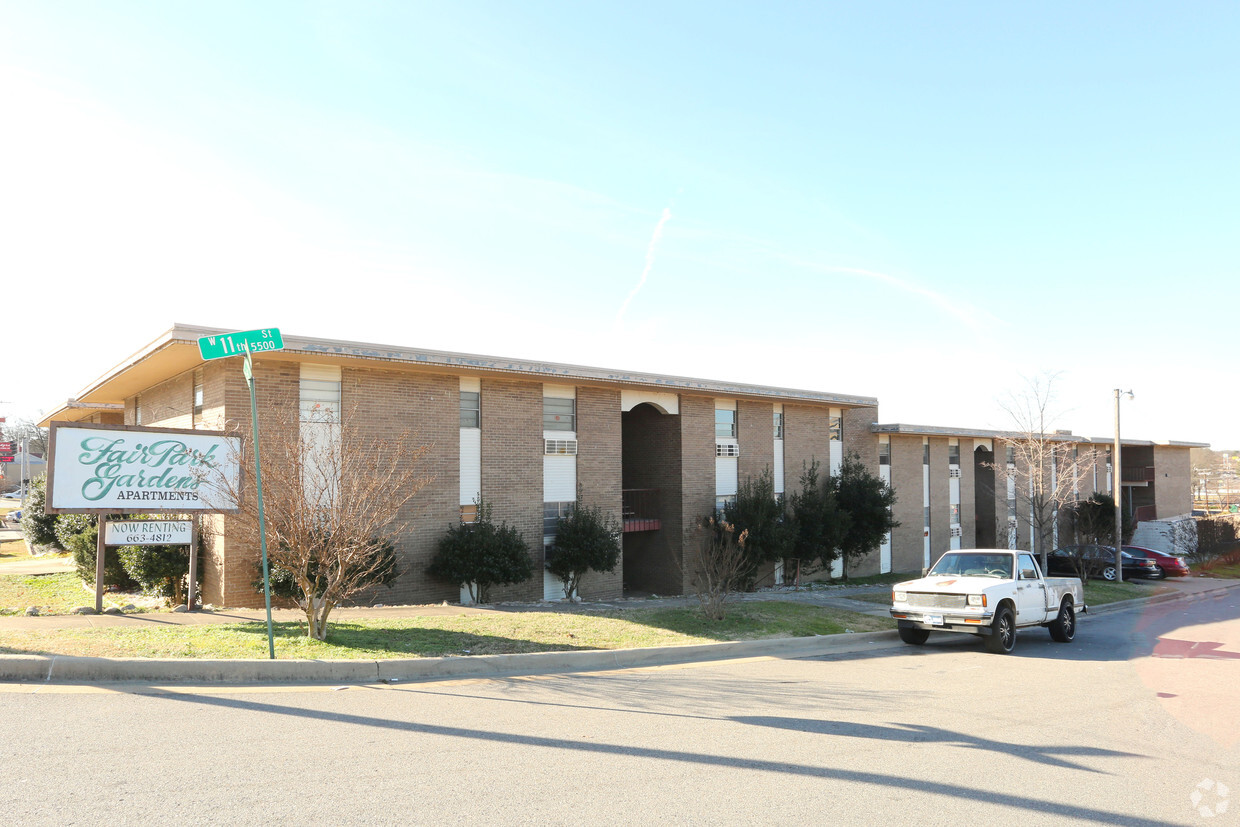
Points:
x=125, y=469
x=148, y=533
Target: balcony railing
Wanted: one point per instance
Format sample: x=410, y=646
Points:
x=641, y=509
x=1139, y=473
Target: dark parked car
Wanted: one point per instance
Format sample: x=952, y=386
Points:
x=1099, y=561
x=1171, y=565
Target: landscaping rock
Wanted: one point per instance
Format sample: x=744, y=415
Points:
x=129, y=607
x=113, y=610
x=181, y=608
x=32, y=611
x=83, y=610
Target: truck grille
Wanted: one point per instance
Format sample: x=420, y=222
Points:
x=936, y=601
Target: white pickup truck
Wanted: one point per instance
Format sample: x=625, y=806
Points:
x=988, y=592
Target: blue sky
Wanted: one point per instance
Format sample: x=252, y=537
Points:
x=926, y=203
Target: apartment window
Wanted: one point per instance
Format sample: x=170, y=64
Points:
x=925, y=455
x=320, y=394
x=836, y=424
x=779, y=425
x=471, y=415
x=955, y=513
x=552, y=512
x=197, y=397
x=953, y=454
x=884, y=453
x=469, y=513
x=1011, y=455
x=137, y=410
x=925, y=515
x=725, y=424
x=559, y=414
x=722, y=501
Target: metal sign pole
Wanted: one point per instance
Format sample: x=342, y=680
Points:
x=101, y=547
x=193, y=564
x=248, y=369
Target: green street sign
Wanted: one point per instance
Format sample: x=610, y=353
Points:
x=223, y=345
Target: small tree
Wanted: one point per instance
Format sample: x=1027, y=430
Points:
x=1048, y=465
x=479, y=555
x=761, y=516
x=867, y=502
x=335, y=499
x=586, y=539
x=820, y=525
x=39, y=527
x=719, y=565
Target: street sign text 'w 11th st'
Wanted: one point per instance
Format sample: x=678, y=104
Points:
x=222, y=345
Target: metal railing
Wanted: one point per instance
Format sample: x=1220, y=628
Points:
x=640, y=508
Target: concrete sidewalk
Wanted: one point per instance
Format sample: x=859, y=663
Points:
x=34, y=668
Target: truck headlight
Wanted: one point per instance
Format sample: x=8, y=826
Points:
x=977, y=600
x=899, y=597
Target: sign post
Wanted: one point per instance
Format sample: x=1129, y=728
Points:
x=232, y=344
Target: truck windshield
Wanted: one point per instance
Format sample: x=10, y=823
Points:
x=974, y=565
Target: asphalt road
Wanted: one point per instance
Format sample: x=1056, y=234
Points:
x=1135, y=723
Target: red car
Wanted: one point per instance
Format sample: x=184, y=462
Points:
x=1171, y=565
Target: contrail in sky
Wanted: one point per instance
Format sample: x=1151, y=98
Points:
x=654, y=240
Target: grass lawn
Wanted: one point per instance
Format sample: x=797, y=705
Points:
x=498, y=633
x=13, y=550
x=54, y=594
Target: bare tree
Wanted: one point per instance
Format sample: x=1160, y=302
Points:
x=1047, y=466
x=719, y=566
x=335, y=501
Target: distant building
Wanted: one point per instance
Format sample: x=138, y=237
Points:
x=657, y=452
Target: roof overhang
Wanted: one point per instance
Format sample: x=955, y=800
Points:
x=176, y=351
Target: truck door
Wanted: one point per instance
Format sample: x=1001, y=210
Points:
x=1030, y=591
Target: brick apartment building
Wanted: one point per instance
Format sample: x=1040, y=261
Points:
x=657, y=452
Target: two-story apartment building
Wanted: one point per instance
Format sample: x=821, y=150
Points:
x=657, y=452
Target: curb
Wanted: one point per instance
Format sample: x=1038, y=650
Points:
x=82, y=670
x=65, y=669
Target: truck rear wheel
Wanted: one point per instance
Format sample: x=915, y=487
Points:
x=913, y=635
x=1063, y=627
x=1002, y=632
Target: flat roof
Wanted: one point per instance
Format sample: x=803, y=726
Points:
x=906, y=429
x=176, y=351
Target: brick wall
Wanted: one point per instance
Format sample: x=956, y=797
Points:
x=1173, y=493
x=859, y=438
x=166, y=405
x=907, y=539
x=599, y=472
x=940, y=511
x=968, y=493
x=806, y=435
x=756, y=432
x=512, y=461
x=697, y=430
x=385, y=405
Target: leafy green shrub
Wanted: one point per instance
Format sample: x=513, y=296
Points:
x=761, y=516
x=69, y=525
x=39, y=527
x=82, y=546
x=586, y=539
x=161, y=570
x=481, y=555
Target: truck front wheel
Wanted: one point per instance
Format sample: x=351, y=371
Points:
x=913, y=635
x=1002, y=632
x=1063, y=627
